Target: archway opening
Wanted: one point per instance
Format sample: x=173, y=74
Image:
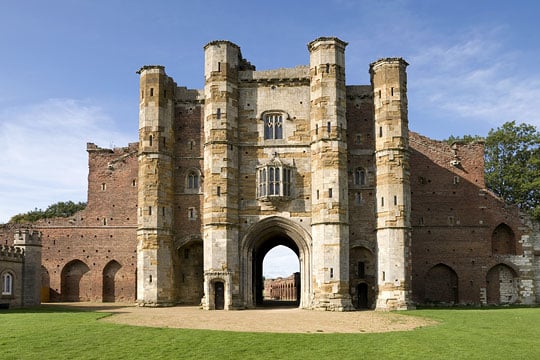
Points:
x=258, y=241
x=281, y=277
x=441, y=285
x=286, y=289
x=72, y=281
x=501, y=285
x=109, y=293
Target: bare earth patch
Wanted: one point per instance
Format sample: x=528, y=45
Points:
x=277, y=320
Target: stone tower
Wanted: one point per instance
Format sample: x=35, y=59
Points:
x=393, y=191
x=220, y=209
x=329, y=191
x=155, y=189
x=30, y=242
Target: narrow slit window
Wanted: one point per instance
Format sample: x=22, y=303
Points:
x=219, y=191
x=361, y=269
x=218, y=113
x=151, y=91
x=380, y=131
x=330, y=192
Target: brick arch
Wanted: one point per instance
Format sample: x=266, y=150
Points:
x=75, y=281
x=441, y=285
x=110, y=290
x=503, y=240
x=501, y=285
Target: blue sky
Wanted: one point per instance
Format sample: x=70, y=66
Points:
x=68, y=69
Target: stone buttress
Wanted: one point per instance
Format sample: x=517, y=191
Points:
x=220, y=205
x=393, y=191
x=330, y=218
x=155, y=285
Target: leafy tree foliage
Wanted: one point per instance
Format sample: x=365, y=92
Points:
x=60, y=209
x=512, y=164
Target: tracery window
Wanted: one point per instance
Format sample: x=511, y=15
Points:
x=7, y=284
x=273, y=126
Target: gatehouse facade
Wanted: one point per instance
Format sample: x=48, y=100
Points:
x=380, y=217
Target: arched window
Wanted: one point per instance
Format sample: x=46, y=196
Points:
x=273, y=126
x=193, y=180
x=7, y=284
x=360, y=176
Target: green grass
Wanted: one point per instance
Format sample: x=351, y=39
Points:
x=510, y=333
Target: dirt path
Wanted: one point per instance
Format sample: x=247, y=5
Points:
x=279, y=320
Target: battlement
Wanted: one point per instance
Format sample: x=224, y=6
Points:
x=298, y=73
x=11, y=253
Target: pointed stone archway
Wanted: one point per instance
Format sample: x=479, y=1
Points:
x=261, y=238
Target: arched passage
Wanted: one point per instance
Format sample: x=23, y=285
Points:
x=261, y=238
x=501, y=281
x=109, y=284
x=71, y=279
x=441, y=284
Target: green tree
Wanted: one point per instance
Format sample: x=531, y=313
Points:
x=60, y=209
x=512, y=165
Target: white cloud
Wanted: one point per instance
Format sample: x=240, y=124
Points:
x=280, y=262
x=477, y=79
x=44, y=152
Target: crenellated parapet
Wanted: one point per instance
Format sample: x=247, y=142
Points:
x=11, y=253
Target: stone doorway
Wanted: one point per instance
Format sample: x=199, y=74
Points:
x=362, y=296
x=219, y=295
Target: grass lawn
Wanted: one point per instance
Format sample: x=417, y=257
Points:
x=462, y=334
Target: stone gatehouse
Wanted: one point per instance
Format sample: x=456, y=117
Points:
x=379, y=216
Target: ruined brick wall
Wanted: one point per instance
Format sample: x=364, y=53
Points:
x=98, y=242
x=283, y=289
x=454, y=218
